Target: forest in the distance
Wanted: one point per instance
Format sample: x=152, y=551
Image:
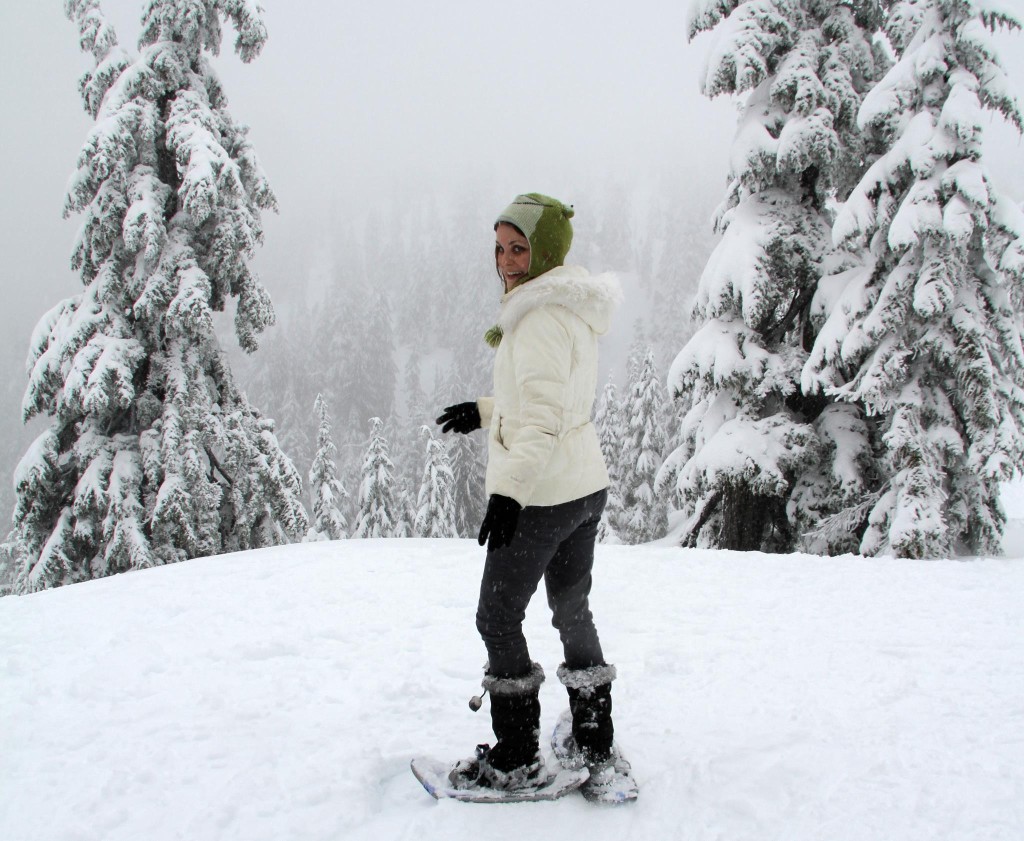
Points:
x=852, y=379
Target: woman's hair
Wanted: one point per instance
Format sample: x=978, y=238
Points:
x=510, y=224
x=544, y=222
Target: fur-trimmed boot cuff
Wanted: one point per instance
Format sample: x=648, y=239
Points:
x=586, y=680
x=527, y=684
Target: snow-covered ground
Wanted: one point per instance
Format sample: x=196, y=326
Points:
x=279, y=695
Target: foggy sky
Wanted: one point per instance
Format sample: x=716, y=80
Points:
x=351, y=101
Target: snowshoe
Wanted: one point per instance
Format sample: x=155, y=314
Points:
x=609, y=780
x=474, y=781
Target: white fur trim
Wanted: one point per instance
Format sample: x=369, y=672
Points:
x=525, y=685
x=592, y=297
x=586, y=679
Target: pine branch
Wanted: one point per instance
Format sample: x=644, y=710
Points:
x=690, y=539
x=219, y=468
x=800, y=301
x=847, y=521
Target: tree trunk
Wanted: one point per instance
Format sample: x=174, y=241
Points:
x=748, y=518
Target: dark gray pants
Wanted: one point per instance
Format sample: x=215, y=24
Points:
x=555, y=543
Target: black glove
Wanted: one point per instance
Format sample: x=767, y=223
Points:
x=499, y=522
x=462, y=417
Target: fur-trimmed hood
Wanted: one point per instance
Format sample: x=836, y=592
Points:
x=592, y=297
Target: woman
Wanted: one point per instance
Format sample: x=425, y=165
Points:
x=547, y=486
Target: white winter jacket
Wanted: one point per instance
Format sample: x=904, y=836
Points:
x=543, y=448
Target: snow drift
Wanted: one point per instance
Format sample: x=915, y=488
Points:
x=280, y=693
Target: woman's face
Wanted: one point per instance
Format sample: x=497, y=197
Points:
x=511, y=254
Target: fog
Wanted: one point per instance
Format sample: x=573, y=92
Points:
x=357, y=107
x=351, y=103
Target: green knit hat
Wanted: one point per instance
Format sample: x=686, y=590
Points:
x=544, y=221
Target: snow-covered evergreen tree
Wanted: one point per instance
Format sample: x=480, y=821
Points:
x=920, y=322
x=356, y=362
x=415, y=400
x=435, y=515
x=380, y=370
x=284, y=379
x=8, y=568
x=747, y=433
x=153, y=454
x=379, y=512
x=466, y=454
x=609, y=420
x=407, y=460
x=405, y=503
x=644, y=512
x=329, y=495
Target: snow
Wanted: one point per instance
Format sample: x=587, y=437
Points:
x=919, y=216
x=760, y=452
x=843, y=428
x=727, y=353
x=34, y=464
x=806, y=141
x=734, y=278
x=840, y=298
x=999, y=11
x=280, y=693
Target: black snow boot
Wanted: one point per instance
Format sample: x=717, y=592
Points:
x=515, y=760
x=585, y=736
x=590, y=700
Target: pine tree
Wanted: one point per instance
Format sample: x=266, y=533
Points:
x=466, y=454
x=407, y=460
x=405, y=508
x=644, y=514
x=920, y=328
x=329, y=495
x=360, y=363
x=609, y=420
x=435, y=516
x=379, y=512
x=414, y=398
x=8, y=568
x=153, y=454
x=380, y=369
x=748, y=434
x=284, y=379
x=678, y=229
